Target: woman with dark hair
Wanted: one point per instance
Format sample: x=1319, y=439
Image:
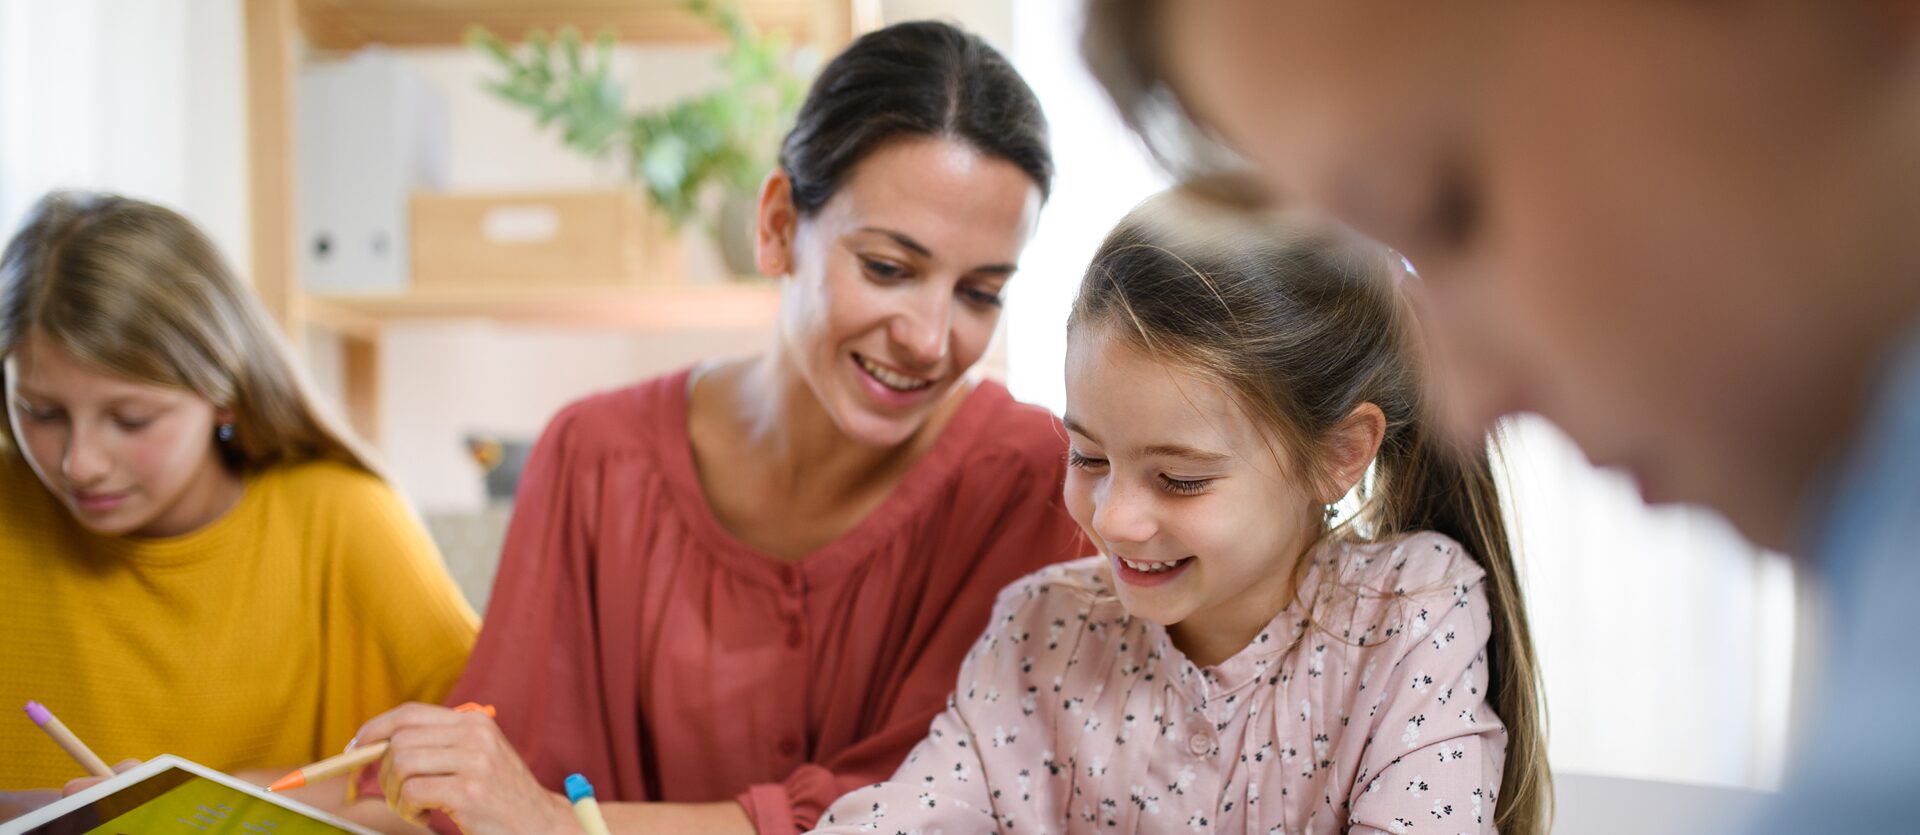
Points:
x=733, y=593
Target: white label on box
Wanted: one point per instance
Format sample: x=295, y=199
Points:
x=522, y=224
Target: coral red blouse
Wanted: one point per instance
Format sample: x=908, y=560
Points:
x=632, y=639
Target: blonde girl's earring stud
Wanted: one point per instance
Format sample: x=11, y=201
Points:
x=1333, y=512
x=224, y=432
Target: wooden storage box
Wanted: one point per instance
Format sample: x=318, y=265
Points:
x=540, y=241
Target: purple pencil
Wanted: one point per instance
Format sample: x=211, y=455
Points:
x=67, y=741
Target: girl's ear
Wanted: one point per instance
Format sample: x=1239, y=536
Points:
x=1350, y=448
x=774, y=226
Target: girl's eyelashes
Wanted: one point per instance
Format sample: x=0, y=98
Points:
x=1075, y=459
x=1175, y=486
x=1182, y=486
x=27, y=411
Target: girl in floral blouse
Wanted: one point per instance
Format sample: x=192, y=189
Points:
x=1304, y=615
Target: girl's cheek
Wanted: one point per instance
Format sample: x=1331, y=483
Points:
x=1079, y=496
x=164, y=452
x=46, y=447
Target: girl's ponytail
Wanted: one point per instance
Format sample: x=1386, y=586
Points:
x=1427, y=483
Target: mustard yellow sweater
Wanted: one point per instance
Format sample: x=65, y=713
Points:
x=263, y=640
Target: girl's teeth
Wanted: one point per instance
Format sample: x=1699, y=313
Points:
x=1151, y=567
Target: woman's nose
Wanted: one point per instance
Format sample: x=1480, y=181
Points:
x=926, y=330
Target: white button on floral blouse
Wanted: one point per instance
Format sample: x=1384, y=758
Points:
x=1072, y=717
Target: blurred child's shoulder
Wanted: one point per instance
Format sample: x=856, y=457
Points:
x=1075, y=585
x=1413, y=564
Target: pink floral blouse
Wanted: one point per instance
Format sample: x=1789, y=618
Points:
x=1070, y=716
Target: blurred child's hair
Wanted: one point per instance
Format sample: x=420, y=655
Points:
x=1303, y=323
x=135, y=290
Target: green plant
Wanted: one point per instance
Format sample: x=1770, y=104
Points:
x=726, y=139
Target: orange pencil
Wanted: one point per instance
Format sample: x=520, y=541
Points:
x=351, y=760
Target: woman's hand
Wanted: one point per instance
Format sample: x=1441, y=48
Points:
x=461, y=764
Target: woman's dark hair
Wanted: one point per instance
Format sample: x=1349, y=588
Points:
x=1303, y=324
x=917, y=79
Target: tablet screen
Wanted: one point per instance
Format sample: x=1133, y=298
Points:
x=179, y=801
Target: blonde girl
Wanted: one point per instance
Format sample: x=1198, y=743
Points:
x=1242, y=656
x=196, y=560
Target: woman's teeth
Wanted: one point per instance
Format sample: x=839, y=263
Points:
x=1153, y=567
x=891, y=380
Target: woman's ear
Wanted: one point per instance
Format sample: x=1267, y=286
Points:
x=774, y=226
x=1350, y=448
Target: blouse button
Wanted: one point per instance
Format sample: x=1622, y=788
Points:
x=789, y=748
x=1200, y=744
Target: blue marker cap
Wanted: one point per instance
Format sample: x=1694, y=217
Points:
x=578, y=788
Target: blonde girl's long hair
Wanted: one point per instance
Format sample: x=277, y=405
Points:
x=1303, y=323
x=135, y=290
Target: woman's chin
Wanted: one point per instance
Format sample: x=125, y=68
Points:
x=869, y=431
x=870, y=427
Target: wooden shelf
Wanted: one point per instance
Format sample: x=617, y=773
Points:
x=278, y=32
x=351, y=24
x=660, y=308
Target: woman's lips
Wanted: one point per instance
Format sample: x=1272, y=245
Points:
x=889, y=386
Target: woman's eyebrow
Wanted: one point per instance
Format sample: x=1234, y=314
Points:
x=902, y=239
x=921, y=250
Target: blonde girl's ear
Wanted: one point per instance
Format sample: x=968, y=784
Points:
x=1349, y=448
x=774, y=225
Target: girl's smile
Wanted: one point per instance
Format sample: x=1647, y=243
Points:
x=1147, y=573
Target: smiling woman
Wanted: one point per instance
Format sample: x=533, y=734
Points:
x=731, y=594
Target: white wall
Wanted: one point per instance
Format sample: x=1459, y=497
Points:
x=142, y=97
x=990, y=19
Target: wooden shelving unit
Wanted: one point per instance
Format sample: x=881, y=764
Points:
x=277, y=34
x=662, y=308
x=351, y=24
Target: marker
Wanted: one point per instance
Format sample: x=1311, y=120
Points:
x=333, y=766
x=67, y=741
x=585, y=808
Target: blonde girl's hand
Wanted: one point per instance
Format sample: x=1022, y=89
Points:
x=80, y=784
x=460, y=763
x=13, y=804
